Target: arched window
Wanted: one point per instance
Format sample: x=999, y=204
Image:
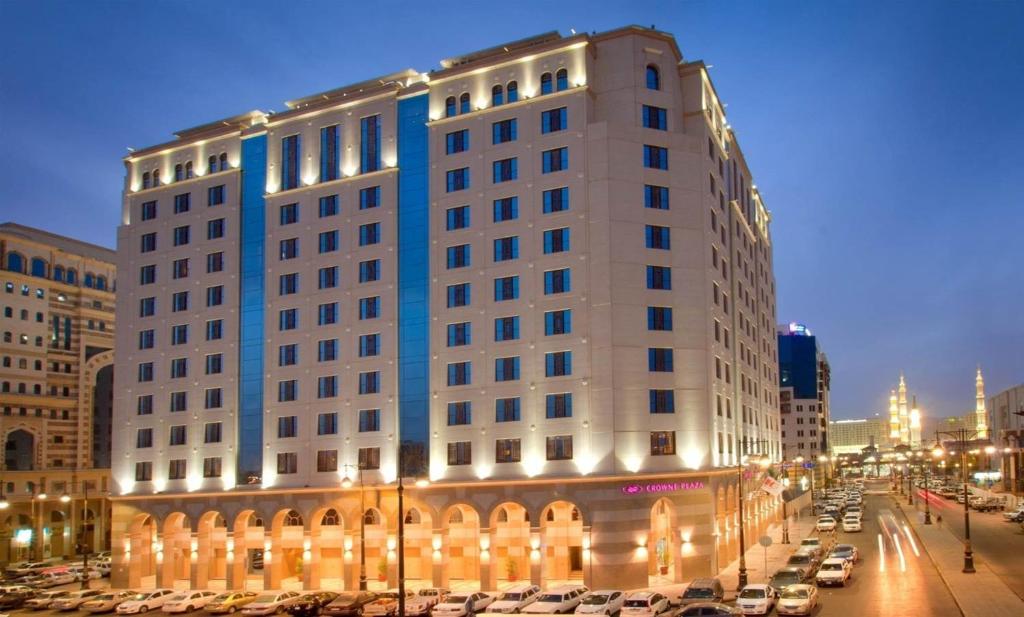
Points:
x=545, y=83
x=464, y=107
x=211, y=164
x=38, y=365
x=371, y=517
x=15, y=263
x=292, y=519
x=223, y=161
x=39, y=267
x=7, y=337
x=21, y=388
x=575, y=514
x=89, y=280
x=156, y=177
x=7, y=362
x=145, y=180
x=456, y=517
x=412, y=517
x=58, y=273
x=188, y=170
x=72, y=277
x=512, y=91
x=179, y=173
x=550, y=517
x=653, y=78
x=562, y=80
x=449, y=107
x=502, y=515
x=24, y=314
x=101, y=283
x=497, y=95
x=330, y=518
x=6, y=387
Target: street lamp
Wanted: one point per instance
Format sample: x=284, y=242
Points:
x=347, y=483
x=962, y=437
x=420, y=482
x=763, y=461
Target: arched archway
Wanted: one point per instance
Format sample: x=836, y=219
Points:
x=461, y=523
x=287, y=535
x=418, y=545
x=141, y=552
x=327, y=553
x=510, y=550
x=176, y=543
x=20, y=450
x=377, y=548
x=212, y=552
x=57, y=538
x=561, y=526
x=246, y=550
x=662, y=544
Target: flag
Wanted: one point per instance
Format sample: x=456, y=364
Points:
x=772, y=486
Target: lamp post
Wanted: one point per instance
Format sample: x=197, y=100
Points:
x=910, y=483
x=785, y=515
x=962, y=437
x=763, y=460
x=347, y=483
x=401, y=529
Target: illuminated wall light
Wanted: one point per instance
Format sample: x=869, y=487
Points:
x=228, y=482
x=309, y=179
x=586, y=463
x=194, y=483
x=485, y=543
x=692, y=458
x=348, y=545
x=633, y=463
x=483, y=471
x=230, y=545
x=535, y=556
x=194, y=556
x=350, y=171
x=268, y=545
x=307, y=544
x=436, y=555
x=307, y=555
x=533, y=466
x=435, y=543
x=392, y=543
x=194, y=546
x=267, y=556
x=159, y=556
x=159, y=485
x=485, y=556
x=535, y=542
x=231, y=556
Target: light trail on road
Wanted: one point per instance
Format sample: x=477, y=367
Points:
x=881, y=554
x=910, y=539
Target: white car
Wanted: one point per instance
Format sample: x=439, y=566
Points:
x=144, y=601
x=834, y=571
x=563, y=599
x=797, y=600
x=462, y=604
x=424, y=600
x=601, y=602
x=44, y=599
x=825, y=523
x=812, y=545
x=515, y=599
x=74, y=599
x=852, y=523
x=854, y=511
x=757, y=599
x=187, y=601
x=270, y=602
x=645, y=604
x=386, y=603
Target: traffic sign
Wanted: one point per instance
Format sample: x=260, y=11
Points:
x=765, y=541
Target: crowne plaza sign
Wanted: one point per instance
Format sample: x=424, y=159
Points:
x=639, y=488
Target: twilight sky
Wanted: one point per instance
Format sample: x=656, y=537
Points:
x=885, y=139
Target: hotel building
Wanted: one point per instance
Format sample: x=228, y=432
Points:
x=540, y=275
x=56, y=393
x=804, y=386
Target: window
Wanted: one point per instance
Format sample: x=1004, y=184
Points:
x=212, y=467
x=559, y=448
x=287, y=355
x=503, y=131
x=561, y=80
x=663, y=443
x=146, y=339
x=178, y=435
x=179, y=269
x=553, y=120
x=657, y=237
x=557, y=322
x=182, y=203
x=328, y=241
x=457, y=141
x=144, y=438
x=459, y=374
x=662, y=401
x=659, y=360
x=506, y=209
x=287, y=426
x=369, y=345
x=655, y=118
x=327, y=350
x=147, y=307
x=179, y=368
x=369, y=270
x=459, y=334
x=289, y=214
x=326, y=460
x=215, y=195
x=512, y=91
x=507, y=409
x=558, y=405
x=181, y=235
x=506, y=249
x=369, y=458
x=327, y=423
x=369, y=197
x=459, y=413
x=464, y=106
x=369, y=420
x=328, y=206
x=497, y=95
x=507, y=451
x=329, y=144
x=369, y=308
x=457, y=218
x=556, y=200
x=144, y=472
x=369, y=234
x=369, y=157
x=327, y=314
x=369, y=382
x=327, y=278
x=460, y=453
x=288, y=284
x=554, y=160
x=506, y=288
x=659, y=277
x=214, y=364
x=215, y=295
x=655, y=157
x=557, y=281
x=215, y=262
x=148, y=242
x=556, y=240
x=179, y=334
x=653, y=78
x=213, y=398
x=458, y=256
x=545, y=83
x=147, y=275
x=659, y=318
x=288, y=248
x=457, y=179
x=290, y=162
x=287, y=463
x=458, y=295
x=558, y=364
x=506, y=369
x=287, y=390
x=148, y=210
x=327, y=386
x=449, y=107
x=144, y=405
x=655, y=197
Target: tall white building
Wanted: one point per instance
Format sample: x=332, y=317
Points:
x=541, y=273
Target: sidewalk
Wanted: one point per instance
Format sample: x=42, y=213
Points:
x=801, y=525
x=981, y=593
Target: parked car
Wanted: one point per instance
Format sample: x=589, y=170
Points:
x=16, y=599
x=424, y=600
x=825, y=523
x=26, y=568
x=812, y=544
x=756, y=599
x=835, y=571
x=349, y=603
x=601, y=602
x=105, y=602
x=386, y=603
x=463, y=604
x=787, y=576
x=270, y=602
x=229, y=602
x=848, y=552
x=1016, y=516
x=703, y=590
x=188, y=601
x=804, y=560
x=562, y=599
x=709, y=609
x=55, y=577
x=797, y=600
x=852, y=524
x=645, y=604
x=515, y=599
x=313, y=603
x=74, y=599
x=44, y=599
x=144, y=601
x=91, y=573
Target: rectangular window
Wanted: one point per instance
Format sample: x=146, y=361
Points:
x=287, y=426
x=148, y=211
x=558, y=405
x=214, y=262
x=559, y=448
x=178, y=435
x=326, y=460
x=327, y=278
x=458, y=295
x=507, y=451
x=369, y=458
x=460, y=453
x=179, y=368
x=655, y=197
x=329, y=144
x=179, y=334
x=288, y=284
x=457, y=180
x=176, y=469
x=369, y=155
x=287, y=390
x=327, y=350
x=554, y=160
x=506, y=409
x=655, y=118
x=457, y=141
x=659, y=318
x=506, y=288
x=659, y=360
x=506, y=369
x=212, y=467
x=328, y=206
x=213, y=398
x=506, y=249
x=662, y=401
x=663, y=443
x=327, y=423
x=147, y=339
x=327, y=314
x=369, y=420
x=289, y=214
x=328, y=241
x=178, y=401
x=457, y=218
x=179, y=301
x=288, y=248
x=287, y=355
x=369, y=234
x=369, y=308
x=503, y=131
x=327, y=386
x=558, y=363
x=290, y=162
x=458, y=256
x=182, y=203
x=553, y=120
x=144, y=472
x=460, y=412
x=144, y=405
x=147, y=275
x=459, y=334
x=655, y=157
x=369, y=271
x=369, y=345
x=506, y=209
x=369, y=197
x=215, y=295
x=369, y=382
x=659, y=277
x=556, y=200
x=287, y=463
x=215, y=195
x=148, y=243
x=179, y=269
x=144, y=438
x=460, y=374
x=556, y=240
x=505, y=170
x=558, y=322
x=657, y=237
x=182, y=235
x=557, y=281
x=506, y=328
x=214, y=364
x=287, y=319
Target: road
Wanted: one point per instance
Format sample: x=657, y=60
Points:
x=995, y=542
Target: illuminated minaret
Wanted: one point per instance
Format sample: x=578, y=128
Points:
x=894, y=419
x=979, y=406
x=915, y=425
x=904, y=414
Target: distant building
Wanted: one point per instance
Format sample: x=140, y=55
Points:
x=804, y=385
x=852, y=436
x=1006, y=429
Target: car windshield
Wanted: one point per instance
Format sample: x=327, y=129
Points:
x=811, y=542
x=223, y=597
x=345, y=597
x=455, y=600
x=596, y=599
x=178, y=597
x=800, y=559
x=511, y=597
x=785, y=578
x=104, y=597
x=261, y=598
x=699, y=592
x=637, y=604
x=550, y=597
x=748, y=594
x=832, y=566
x=794, y=594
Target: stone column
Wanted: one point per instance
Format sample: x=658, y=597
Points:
x=536, y=565
x=439, y=572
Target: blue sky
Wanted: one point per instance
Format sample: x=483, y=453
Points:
x=884, y=136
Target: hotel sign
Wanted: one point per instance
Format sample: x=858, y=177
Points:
x=638, y=488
